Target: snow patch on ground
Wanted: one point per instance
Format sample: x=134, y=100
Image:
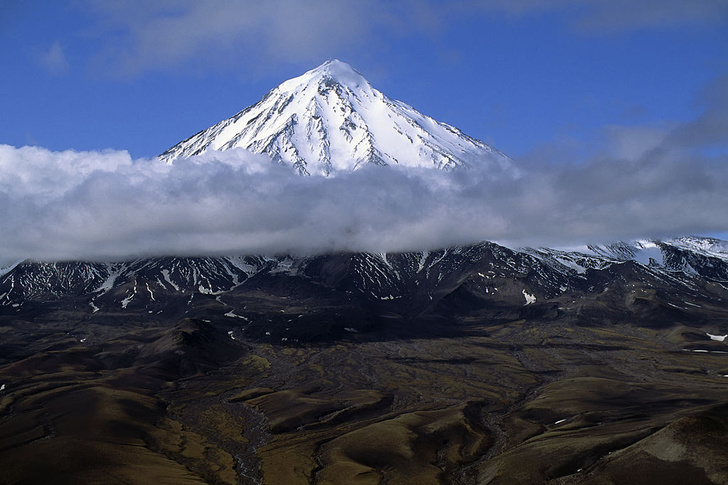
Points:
x=719, y=338
x=208, y=291
x=129, y=298
x=126, y=301
x=231, y=314
x=165, y=274
x=529, y=298
x=284, y=266
x=569, y=262
x=423, y=260
x=109, y=283
x=7, y=269
x=151, y=295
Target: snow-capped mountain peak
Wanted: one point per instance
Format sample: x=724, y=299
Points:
x=331, y=119
x=332, y=70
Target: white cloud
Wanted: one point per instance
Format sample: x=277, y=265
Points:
x=632, y=142
x=103, y=205
x=54, y=59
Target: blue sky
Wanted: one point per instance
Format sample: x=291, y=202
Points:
x=126, y=75
x=616, y=109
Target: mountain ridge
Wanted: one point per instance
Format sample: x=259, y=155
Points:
x=409, y=279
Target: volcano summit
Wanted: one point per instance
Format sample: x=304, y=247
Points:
x=331, y=119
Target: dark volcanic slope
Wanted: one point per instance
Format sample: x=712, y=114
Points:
x=471, y=365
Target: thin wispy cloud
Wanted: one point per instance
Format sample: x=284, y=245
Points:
x=227, y=33
x=627, y=15
x=54, y=59
x=137, y=36
x=710, y=129
x=609, y=16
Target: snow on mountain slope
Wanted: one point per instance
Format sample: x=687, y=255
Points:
x=701, y=256
x=331, y=119
x=414, y=278
x=129, y=281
